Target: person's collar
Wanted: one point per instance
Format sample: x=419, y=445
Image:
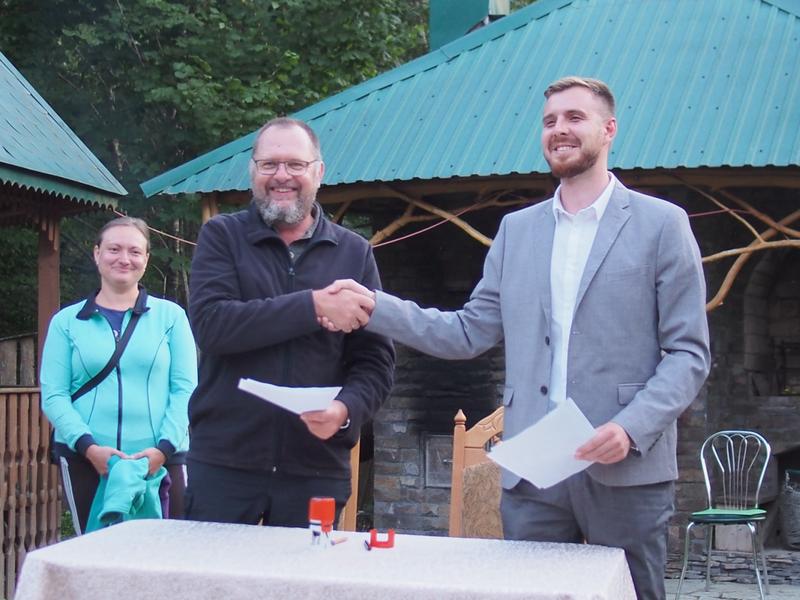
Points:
x=258, y=231
x=316, y=212
x=90, y=307
x=598, y=207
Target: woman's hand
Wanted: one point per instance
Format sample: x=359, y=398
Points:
x=155, y=456
x=99, y=455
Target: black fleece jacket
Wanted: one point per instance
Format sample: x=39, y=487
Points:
x=253, y=316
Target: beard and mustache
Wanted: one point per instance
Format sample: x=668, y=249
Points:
x=273, y=213
x=583, y=163
x=585, y=160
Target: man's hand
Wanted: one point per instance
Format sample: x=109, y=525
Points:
x=154, y=456
x=609, y=445
x=325, y=423
x=342, y=309
x=345, y=288
x=352, y=285
x=99, y=455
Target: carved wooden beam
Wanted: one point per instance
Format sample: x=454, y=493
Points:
x=769, y=221
x=743, y=257
x=337, y=218
x=727, y=209
x=469, y=229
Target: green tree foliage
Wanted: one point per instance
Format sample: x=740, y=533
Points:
x=18, y=281
x=150, y=84
x=155, y=82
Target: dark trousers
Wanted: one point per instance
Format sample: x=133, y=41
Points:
x=79, y=483
x=225, y=495
x=580, y=509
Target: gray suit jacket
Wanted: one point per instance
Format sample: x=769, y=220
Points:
x=638, y=352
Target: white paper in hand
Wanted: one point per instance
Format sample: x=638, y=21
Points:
x=544, y=453
x=296, y=400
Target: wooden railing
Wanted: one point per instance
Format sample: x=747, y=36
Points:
x=29, y=492
x=18, y=360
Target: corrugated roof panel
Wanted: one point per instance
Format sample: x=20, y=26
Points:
x=699, y=83
x=33, y=138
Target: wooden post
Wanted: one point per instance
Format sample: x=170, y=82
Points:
x=347, y=518
x=457, y=486
x=209, y=206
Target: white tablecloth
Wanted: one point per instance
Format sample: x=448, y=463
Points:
x=185, y=559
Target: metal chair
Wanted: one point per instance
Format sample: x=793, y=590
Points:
x=734, y=463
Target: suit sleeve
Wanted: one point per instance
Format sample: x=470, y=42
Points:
x=369, y=364
x=682, y=333
x=459, y=334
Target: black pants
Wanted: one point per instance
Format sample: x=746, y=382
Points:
x=224, y=495
x=79, y=483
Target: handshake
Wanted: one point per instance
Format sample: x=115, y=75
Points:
x=344, y=305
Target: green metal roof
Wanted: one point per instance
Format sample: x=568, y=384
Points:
x=699, y=83
x=451, y=19
x=40, y=152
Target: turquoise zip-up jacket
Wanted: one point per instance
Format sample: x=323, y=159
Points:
x=126, y=493
x=143, y=401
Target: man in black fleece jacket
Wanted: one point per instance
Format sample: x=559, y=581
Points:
x=257, y=295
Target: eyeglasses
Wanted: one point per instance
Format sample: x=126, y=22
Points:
x=293, y=167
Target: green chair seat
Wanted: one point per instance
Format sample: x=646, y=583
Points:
x=728, y=515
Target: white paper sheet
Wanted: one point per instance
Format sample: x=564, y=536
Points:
x=544, y=452
x=296, y=400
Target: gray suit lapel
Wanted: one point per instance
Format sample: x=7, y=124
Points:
x=614, y=218
x=543, y=230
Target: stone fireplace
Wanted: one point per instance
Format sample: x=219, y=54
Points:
x=771, y=405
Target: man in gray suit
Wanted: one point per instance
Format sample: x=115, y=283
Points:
x=599, y=296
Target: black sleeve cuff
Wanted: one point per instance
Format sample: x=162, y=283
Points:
x=166, y=448
x=83, y=443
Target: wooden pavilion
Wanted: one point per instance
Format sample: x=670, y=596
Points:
x=46, y=174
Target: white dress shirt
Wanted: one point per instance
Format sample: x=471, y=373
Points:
x=572, y=242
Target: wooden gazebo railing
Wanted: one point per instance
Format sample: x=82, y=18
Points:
x=29, y=491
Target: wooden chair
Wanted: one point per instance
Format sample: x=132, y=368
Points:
x=469, y=457
x=347, y=518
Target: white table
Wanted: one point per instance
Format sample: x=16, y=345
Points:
x=185, y=559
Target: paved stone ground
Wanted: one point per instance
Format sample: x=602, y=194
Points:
x=694, y=589
x=732, y=576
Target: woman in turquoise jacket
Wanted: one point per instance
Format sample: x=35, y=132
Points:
x=140, y=408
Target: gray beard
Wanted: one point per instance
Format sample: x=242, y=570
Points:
x=273, y=214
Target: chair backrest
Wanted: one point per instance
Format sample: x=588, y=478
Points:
x=347, y=518
x=469, y=449
x=734, y=463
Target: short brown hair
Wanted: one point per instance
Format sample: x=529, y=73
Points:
x=139, y=224
x=289, y=122
x=597, y=87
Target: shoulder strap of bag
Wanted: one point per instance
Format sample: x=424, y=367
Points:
x=112, y=362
